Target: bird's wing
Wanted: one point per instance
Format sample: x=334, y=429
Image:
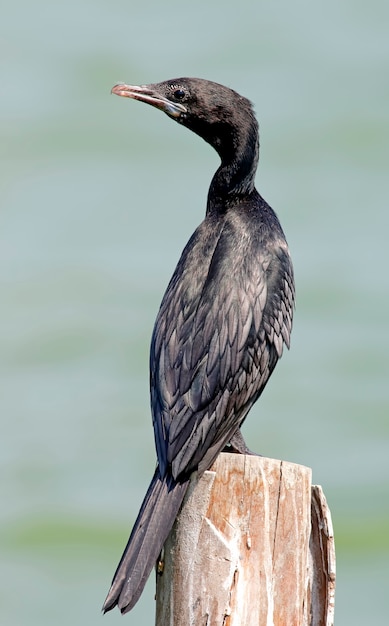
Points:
x=212, y=354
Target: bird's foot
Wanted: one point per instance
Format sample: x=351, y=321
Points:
x=237, y=445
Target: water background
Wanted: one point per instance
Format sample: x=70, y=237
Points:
x=98, y=196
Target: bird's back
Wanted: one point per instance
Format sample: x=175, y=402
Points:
x=219, y=332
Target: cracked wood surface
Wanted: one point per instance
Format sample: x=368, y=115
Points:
x=242, y=552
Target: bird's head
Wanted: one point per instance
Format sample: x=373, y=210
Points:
x=215, y=112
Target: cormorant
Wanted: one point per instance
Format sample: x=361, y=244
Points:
x=222, y=324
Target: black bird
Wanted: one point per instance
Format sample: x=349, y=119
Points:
x=222, y=324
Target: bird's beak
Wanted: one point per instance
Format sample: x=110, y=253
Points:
x=146, y=93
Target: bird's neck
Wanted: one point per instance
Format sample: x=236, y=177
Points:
x=236, y=174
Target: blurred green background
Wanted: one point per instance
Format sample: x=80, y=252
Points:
x=98, y=197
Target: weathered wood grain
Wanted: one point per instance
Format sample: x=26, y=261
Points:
x=243, y=553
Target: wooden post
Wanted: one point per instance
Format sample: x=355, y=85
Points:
x=243, y=552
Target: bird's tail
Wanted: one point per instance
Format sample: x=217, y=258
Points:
x=153, y=524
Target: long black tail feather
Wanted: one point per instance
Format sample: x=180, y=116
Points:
x=153, y=524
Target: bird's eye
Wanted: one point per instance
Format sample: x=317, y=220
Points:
x=179, y=94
